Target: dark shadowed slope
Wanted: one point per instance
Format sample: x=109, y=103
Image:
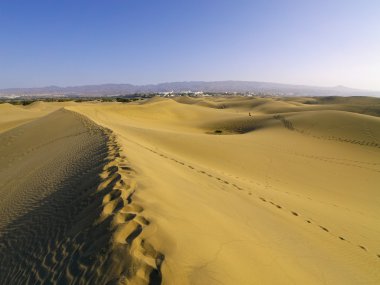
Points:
x=66, y=208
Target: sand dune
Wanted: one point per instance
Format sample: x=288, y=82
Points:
x=12, y=116
x=67, y=210
x=193, y=191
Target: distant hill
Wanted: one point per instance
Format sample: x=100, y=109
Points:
x=194, y=86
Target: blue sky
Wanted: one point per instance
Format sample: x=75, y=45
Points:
x=75, y=42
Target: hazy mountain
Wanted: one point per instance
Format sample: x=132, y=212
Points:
x=215, y=86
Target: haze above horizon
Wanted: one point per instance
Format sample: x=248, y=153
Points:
x=77, y=42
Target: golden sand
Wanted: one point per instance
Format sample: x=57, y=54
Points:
x=192, y=191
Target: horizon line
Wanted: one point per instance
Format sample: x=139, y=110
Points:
x=190, y=81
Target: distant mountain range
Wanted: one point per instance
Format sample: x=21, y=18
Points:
x=194, y=86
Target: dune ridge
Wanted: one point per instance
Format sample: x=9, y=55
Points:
x=134, y=260
x=71, y=220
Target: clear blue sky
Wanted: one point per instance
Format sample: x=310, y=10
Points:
x=75, y=42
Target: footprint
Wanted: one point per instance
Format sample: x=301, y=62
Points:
x=134, y=234
x=323, y=228
x=362, y=247
x=142, y=220
x=125, y=168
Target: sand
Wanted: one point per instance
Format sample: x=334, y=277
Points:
x=66, y=209
x=193, y=191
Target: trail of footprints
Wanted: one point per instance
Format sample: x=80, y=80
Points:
x=128, y=222
x=289, y=125
x=264, y=200
x=309, y=198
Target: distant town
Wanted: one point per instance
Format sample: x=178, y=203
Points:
x=125, y=98
x=187, y=88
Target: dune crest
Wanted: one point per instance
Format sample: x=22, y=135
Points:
x=77, y=222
